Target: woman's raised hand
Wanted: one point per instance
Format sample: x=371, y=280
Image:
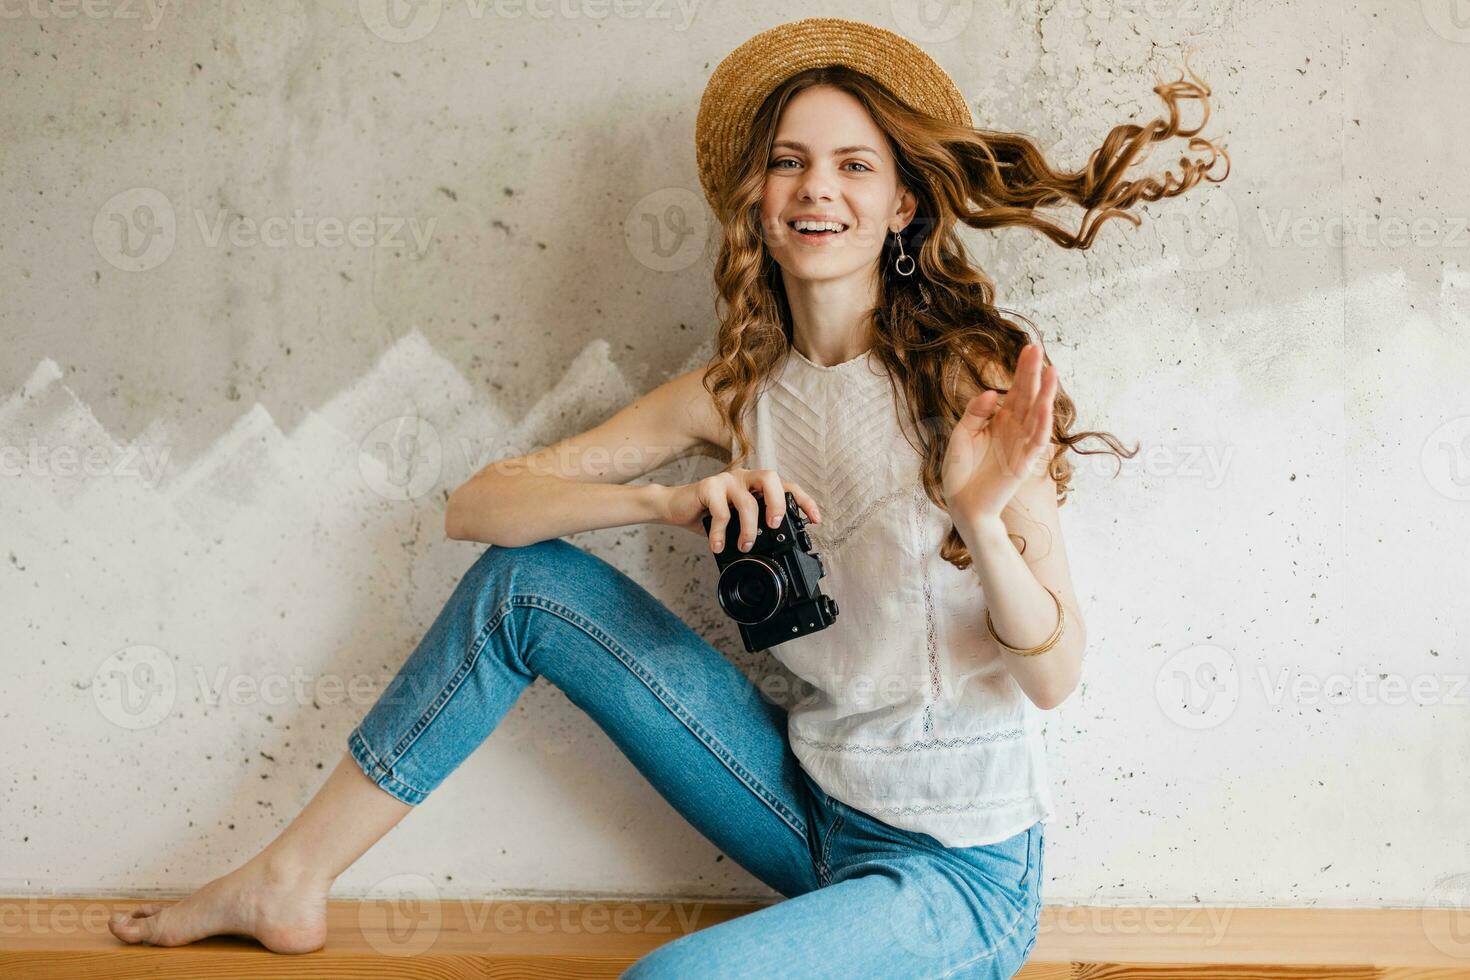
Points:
x=1000, y=442
x=685, y=506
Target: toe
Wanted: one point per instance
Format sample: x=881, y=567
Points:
x=168, y=927
x=136, y=926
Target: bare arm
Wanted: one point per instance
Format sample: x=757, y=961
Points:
x=560, y=507
x=1015, y=583
x=1023, y=614
x=579, y=483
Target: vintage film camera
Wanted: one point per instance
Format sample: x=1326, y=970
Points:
x=771, y=590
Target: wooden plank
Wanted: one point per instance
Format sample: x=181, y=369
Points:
x=1220, y=971
x=68, y=937
x=1344, y=937
x=46, y=938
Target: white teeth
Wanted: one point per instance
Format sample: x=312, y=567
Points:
x=802, y=224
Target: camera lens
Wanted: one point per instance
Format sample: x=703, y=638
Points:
x=750, y=590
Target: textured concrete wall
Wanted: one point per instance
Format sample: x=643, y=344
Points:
x=276, y=277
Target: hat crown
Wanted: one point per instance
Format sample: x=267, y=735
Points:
x=748, y=74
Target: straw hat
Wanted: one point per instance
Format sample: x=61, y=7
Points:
x=748, y=74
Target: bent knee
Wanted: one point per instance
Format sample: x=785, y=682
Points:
x=528, y=568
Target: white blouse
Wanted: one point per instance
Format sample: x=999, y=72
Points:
x=905, y=710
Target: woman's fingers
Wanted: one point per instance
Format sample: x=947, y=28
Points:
x=775, y=497
x=1027, y=381
x=745, y=503
x=978, y=412
x=1044, y=401
x=719, y=516
x=806, y=503
x=731, y=493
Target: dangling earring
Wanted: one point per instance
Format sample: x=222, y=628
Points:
x=898, y=262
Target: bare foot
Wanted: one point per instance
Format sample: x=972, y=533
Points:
x=285, y=911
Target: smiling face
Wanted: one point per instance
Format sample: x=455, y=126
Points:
x=831, y=162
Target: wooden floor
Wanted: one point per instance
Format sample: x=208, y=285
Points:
x=45, y=938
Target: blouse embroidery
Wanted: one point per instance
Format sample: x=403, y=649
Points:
x=919, y=746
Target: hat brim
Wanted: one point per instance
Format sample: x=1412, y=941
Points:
x=747, y=75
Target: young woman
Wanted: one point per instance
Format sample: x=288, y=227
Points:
x=862, y=366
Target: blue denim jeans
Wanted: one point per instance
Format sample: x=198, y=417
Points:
x=861, y=898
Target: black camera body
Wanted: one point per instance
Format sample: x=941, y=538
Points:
x=771, y=590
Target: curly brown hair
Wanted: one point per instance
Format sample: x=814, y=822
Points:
x=938, y=333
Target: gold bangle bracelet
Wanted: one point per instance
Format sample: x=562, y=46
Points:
x=1050, y=642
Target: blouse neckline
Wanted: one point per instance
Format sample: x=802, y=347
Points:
x=850, y=366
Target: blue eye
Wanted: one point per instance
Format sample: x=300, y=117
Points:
x=861, y=164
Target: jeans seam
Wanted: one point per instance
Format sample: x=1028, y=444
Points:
x=825, y=866
x=987, y=953
x=1030, y=868
x=380, y=772
x=452, y=685
x=1015, y=925
x=710, y=742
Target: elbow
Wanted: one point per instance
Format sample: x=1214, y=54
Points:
x=1050, y=699
x=452, y=530
x=1052, y=694
x=456, y=520
x=464, y=523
